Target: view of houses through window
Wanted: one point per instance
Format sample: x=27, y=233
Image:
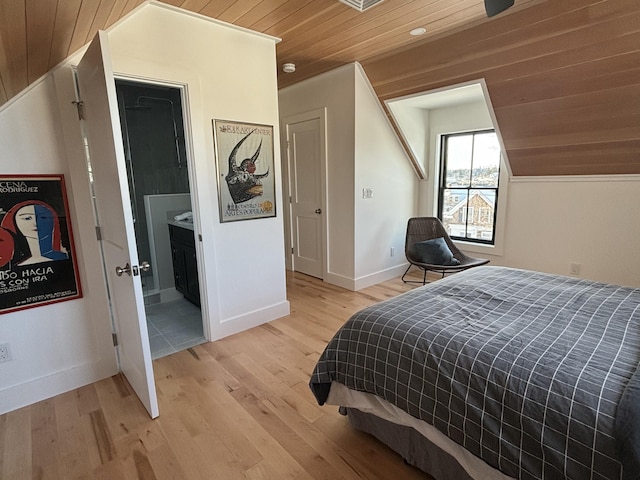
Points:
x=468, y=190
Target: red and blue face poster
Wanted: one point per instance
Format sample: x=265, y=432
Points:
x=38, y=265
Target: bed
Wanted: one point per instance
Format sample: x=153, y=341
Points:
x=496, y=373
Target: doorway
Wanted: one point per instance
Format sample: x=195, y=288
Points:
x=306, y=184
x=153, y=134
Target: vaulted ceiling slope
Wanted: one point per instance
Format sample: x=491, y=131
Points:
x=563, y=75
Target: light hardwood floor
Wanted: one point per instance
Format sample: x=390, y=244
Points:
x=232, y=409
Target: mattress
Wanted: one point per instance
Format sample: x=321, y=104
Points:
x=523, y=369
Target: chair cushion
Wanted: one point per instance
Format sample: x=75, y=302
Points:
x=436, y=252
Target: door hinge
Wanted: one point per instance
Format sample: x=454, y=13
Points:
x=98, y=233
x=114, y=336
x=290, y=199
x=292, y=250
x=80, y=106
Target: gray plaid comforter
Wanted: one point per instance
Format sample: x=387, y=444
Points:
x=523, y=369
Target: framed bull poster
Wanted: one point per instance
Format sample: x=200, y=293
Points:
x=38, y=265
x=246, y=176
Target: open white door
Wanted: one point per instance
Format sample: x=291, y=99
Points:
x=305, y=140
x=113, y=205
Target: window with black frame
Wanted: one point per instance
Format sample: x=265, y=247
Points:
x=468, y=189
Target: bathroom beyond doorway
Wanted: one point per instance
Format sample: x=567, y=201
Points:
x=152, y=122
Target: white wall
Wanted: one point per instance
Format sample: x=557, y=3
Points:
x=381, y=164
x=229, y=75
x=333, y=90
x=62, y=346
x=593, y=221
x=66, y=345
x=362, y=152
x=414, y=127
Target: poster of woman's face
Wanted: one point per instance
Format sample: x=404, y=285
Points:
x=37, y=258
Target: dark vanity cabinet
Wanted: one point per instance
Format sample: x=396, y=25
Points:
x=185, y=266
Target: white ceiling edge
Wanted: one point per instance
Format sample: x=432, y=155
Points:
x=442, y=98
x=445, y=97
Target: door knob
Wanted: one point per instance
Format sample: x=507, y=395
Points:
x=318, y=211
x=126, y=269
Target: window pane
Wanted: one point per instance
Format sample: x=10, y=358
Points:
x=486, y=160
x=480, y=214
x=458, y=162
x=454, y=211
x=470, y=163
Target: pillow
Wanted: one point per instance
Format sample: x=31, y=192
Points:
x=435, y=252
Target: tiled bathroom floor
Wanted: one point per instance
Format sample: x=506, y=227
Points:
x=173, y=326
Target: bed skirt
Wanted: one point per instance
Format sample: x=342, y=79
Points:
x=415, y=449
x=419, y=443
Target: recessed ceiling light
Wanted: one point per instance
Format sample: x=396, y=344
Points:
x=418, y=31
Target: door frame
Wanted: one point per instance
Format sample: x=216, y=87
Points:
x=316, y=114
x=193, y=183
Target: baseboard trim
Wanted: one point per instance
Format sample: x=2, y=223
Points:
x=381, y=276
x=340, y=281
x=367, y=280
x=249, y=320
x=18, y=396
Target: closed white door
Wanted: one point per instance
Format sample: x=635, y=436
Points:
x=113, y=206
x=305, y=141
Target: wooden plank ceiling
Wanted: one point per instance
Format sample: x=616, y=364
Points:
x=317, y=35
x=563, y=75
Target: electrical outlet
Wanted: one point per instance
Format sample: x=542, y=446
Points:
x=5, y=353
x=574, y=269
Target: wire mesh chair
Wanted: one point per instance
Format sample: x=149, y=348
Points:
x=420, y=229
